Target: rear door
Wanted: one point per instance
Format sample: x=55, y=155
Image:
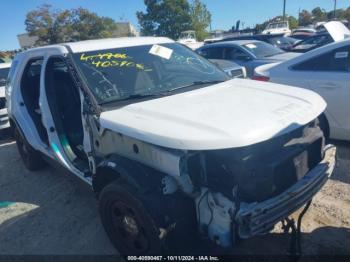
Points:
x=237, y=55
x=215, y=52
x=329, y=76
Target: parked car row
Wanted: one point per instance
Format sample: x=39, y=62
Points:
x=324, y=68
x=171, y=145
x=247, y=53
x=326, y=71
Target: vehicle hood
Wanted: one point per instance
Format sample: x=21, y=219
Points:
x=234, y=113
x=303, y=47
x=282, y=57
x=225, y=64
x=337, y=30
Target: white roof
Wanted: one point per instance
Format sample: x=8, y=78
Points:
x=107, y=43
x=337, y=30
x=318, y=51
x=90, y=45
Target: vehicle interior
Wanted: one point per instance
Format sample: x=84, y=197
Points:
x=65, y=106
x=30, y=90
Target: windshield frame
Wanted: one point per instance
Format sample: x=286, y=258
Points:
x=135, y=98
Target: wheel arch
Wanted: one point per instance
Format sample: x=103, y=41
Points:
x=137, y=175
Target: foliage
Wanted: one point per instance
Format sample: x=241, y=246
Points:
x=171, y=17
x=165, y=18
x=200, y=19
x=293, y=22
x=305, y=18
x=58, y=26
x=319, y=15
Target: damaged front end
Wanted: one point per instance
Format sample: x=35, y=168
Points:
x=243, y=191
x=246, y=191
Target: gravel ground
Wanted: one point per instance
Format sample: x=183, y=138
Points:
x=52, y=212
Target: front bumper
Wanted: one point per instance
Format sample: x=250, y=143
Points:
x=259, y=218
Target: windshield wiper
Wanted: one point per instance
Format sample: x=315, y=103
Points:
x=131, y=97
x=195, y=83
x=160, y=94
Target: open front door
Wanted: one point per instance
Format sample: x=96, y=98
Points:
x=61, y=102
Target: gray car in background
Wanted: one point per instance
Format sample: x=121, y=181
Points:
x=232, y=69
x=247, y=53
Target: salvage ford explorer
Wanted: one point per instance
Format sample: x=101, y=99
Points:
x=170, y=145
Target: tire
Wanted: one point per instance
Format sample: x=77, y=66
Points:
x=324, y=126
x=31, y=158
x=128, y=224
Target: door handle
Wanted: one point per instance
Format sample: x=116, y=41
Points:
x=329, y=86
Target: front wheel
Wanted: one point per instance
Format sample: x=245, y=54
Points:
x=127, y=222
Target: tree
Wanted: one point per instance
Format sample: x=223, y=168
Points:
x=319, y=14
x=305, y=18
x=49, y=26
x=165, y=18
x=293, y=22
x=87, y=25
x=347, y=14
x=200, y=19
x=58, y=26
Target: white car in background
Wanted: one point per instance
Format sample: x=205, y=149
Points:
x=4, y=120
x=325, y=70
x=281, y=27
x=189, y=39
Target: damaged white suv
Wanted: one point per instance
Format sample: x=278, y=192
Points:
x=169, y=144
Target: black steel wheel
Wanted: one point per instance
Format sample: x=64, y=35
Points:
x=129, y=225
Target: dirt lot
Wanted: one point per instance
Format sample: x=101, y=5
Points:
x=51, y=212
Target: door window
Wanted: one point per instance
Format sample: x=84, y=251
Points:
x=232, y=53
x=337, y=60
x=30, y=89
x=3, y=75
x=212, y=53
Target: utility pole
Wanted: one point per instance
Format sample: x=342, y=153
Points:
x=335, y=8
x=284, y=10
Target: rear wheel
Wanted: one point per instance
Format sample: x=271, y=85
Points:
x=31, y=158
x=129, y=225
